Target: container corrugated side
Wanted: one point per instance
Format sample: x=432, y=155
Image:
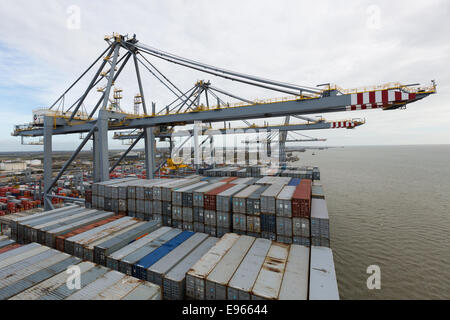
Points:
x=242, y=282
x=217, y=280
x=86, y=277
x=19, y=254
x=102, y=250
x=89, y=252
x=96, y=216
x=84, y=249
x=37, y=273
x=268, y=198
x=78, y=240
x=240, y=199
x=61, y=239
x=268, y=283
x=196, y=276
x=283, y=202
x=96, y=287
x=112, y=261
x=157, y=271
x=16, y=221
x=38, y=231
x=322, y=279
x=44, y=288
x=145, y=291
x=177, y=194
x=198, y=194
x=224, y=199
x=119, y=290
x=296, y=275
x=28, y=225
x=175, y=280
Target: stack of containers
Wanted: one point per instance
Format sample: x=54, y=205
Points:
x=61, y=239
x=224, y=208
x=210, y=213
x=197, y=274
x=188, y=208
x=135, y=199
x=268, y=211
x=254, y=212
x=158, y=211
x=284, y=214
x=198, y=202
x=320, y=223
x=301, y=210
x=99, y=192
x=244, y=223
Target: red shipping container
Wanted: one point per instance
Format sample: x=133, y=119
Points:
x=9, y=247
x=60, y=239
x=209, y=200
x=228, y=180
x=301, y=200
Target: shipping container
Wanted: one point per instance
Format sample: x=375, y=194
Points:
x=79, y=239
x=218, y=278
x=140, y=268
x=241, y=284
x=157, y=271
x=101, y=251
x=210, y=199
x=94, y=216
x=195, y=278
x=300, y=227
x=146, y=291
x=127, y=263
x=61, y=239
x=296, y=275
x=268, y=283
x=284, y=202
x=199, y=193
x=301, y=200
x=317, y=192
x=174, y=284
x=240, y=199
x=178, y=194
x=88, y=248
x=112, y=261
x=322, y=281
x=268, y=198
x=224, y=200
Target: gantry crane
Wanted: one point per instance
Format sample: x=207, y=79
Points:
x=187, y=107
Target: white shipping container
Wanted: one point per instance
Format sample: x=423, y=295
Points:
x=322, y=279
x=268, y=283
x=296, y=274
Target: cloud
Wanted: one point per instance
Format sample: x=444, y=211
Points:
x=350, y=44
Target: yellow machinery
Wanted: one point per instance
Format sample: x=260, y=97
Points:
x=174, y=164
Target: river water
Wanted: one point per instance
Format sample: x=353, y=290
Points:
x=389, y=206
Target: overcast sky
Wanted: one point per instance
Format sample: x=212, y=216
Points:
x=43, y=49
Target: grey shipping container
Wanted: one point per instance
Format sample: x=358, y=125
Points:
x=102, y=250
x=157, y=271
x=241, y=284
x=174, y=284
x=197, y=274
x=217, y=280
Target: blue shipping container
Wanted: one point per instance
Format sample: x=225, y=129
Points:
x=294, y=182
x=140, y=268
